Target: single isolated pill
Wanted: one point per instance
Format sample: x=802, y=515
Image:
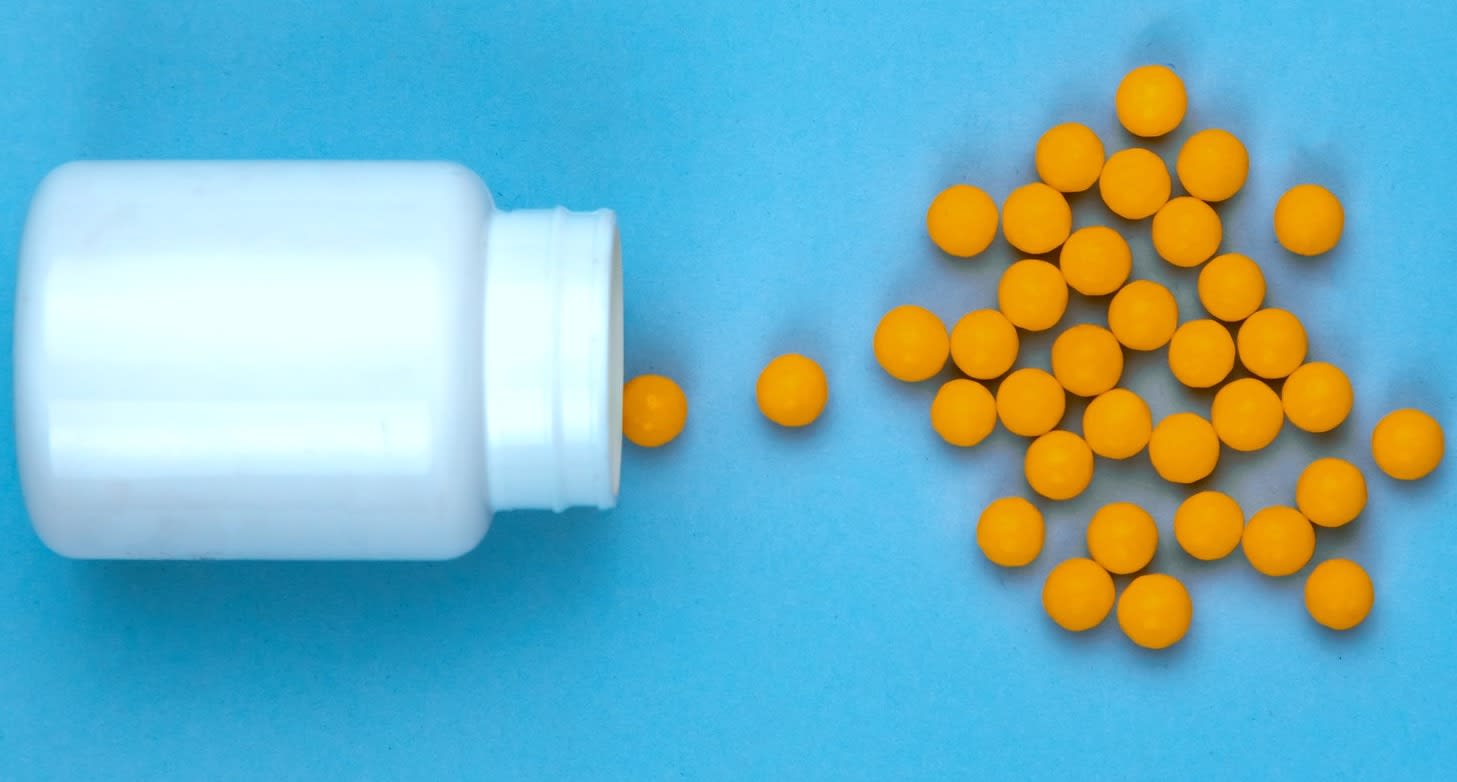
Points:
x=1231, y=287
x=984, y=344
x=1117, y=424
x=1030, y=402
x=1186, y=232
x=963, y=412
x=1069, y=157
x=1087, y=360
x=1135, y=183
x=792, y=390
x=1143, y=315
x=1151, y=101
x=1155, y=611
x=1338, y=594
x=1095, y=260
x=1201, y=353
x=1278, y=541
x=1271, y=343
x=1010, y=532
x=962, y=220
x=1208, y=525
x=1212, y=165
x=1407, y=444
x=1122, y=537
x=1183, y=448
x=1331, y=492
x=1078, y=594
x=911, y=343
x=1246, y=414
x=1317, y=397
x=1059, y=465
x=1032, y=294
x=1309, y=220
x=654, y=410
x=1036, y=218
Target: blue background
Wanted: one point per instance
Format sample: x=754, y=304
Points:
x=766, y=604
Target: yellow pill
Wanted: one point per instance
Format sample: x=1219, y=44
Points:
x=1143, y=315
x=1087, y=360
x=654, y=410
x=1032, y=294
x=1407, y=444
x=1212, y=165
x=1135, y=183
x=792, y=390
x=1095, y=260
x=1010, y=532
x=1278, y=541
x=1155, y=611
x=1271, y=343
x=1231, y=287
x=911, y=343
x=1246, y=414
x=1117, y=424
x=963, y=412
x=1183, y=448
x=984, y=344
x=1122, y=537
x=1201, y=353
x=1317, y=397
x=1069, y=157
x=962, y=220
x=1338, y=594
x=1030, y=402
x=1078, y=594
x=1036, y=219
x=1151, y=101
x=1208, y=525
x=1331, y=492
x=1186, y=232
x=1059, y=465
x=1309, y=220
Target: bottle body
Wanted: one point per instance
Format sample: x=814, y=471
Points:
x=267, y=360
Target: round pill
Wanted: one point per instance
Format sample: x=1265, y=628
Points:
x=654, y=410
x=792, y=390
x=1201, y=353
x=1231, y=287
x=1059, y=465
x=1278, y=541
x=1032, y=294
x=1117, y=424
x=1246, y=414
x=1078, y=594
x=1036, y=218
x=1317, y=397
x=1030, y=402
x=1151, y=101
x=1212, y=165
x=1186, y=232
x=1183, y=448
x=962, y=220
x=1095, y=260
x=911, y=343
x=1010, y=532
x=1135, y=183
x=1271, y=343
x=1122, y=537
x=1087, y=359
x=1143, y=315
x=1069, y=157
x=1155, y=611
x=1331, y=492
x=1407, y=444
x=1208, y=525
x=1309, y=220
x=984, y=344
x=1338, y=594
x=963, y=412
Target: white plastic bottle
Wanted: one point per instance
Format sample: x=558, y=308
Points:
x=307, y=360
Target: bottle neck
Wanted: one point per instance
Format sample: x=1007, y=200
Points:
x=552, y=361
